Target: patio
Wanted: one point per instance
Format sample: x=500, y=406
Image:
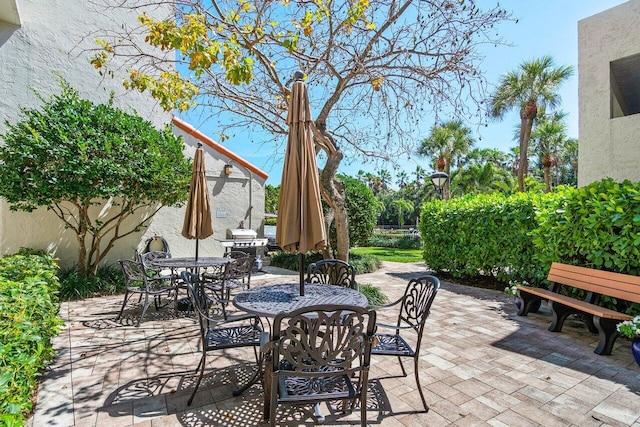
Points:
x=481, y=365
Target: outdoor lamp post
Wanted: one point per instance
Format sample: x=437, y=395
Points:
x=439, y=179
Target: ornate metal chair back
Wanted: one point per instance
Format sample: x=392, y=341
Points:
x=332, y=272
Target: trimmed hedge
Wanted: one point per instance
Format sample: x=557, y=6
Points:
x=395, y=240
x=484, y=235
x=29, y=320
x=518, y=237
x=595, y=226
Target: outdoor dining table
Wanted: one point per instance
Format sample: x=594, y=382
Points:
x=187, y=263
x=268, y=301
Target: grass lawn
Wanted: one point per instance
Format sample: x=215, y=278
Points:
x=391, y=254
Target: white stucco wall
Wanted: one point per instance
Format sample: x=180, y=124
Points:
x=231, y=199
x=52, y=37
x=607, y=147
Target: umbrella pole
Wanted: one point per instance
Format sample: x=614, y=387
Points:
x=301, y=274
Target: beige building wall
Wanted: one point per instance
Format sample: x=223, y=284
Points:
x=38, y=38
x=608, y=147
x=234, y=198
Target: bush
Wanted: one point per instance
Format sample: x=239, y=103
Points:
x=74, y=285
x=364, y=263
x=29, y=307
x=396, y=240
x=291, y=260
x=595, y=226
x=375, y=296
x=485, y=235
x=361, y=263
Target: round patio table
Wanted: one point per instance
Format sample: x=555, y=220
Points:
x=270, y=300
x=273, y=299
x=190, y=262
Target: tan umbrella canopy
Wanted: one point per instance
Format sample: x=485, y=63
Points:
x=300, y=223
x=197, y=218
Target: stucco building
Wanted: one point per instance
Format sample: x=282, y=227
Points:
x=39, y=38
x=609, y=94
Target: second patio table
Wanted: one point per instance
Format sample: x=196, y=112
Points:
x=190, y=262
x=273, y=299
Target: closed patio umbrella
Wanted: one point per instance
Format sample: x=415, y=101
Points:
x=197, y=218
x=300, y=224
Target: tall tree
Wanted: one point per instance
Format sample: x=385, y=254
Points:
x=402, y=178
x=533, y=85
x=447, y=144
x=402, y=207
x=548, y=136
x=374, y=69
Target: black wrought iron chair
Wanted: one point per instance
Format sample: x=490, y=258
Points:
x=316, y=354
x=415, y=305
x=236, y=254
x=136, y=281
x=160, y=274
x=236, y=275
x=332, y=272
x=217, y=333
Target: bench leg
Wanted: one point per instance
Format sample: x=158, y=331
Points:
x=589, y=320
x=608, y=334
x=528, y=303
x=560, y=314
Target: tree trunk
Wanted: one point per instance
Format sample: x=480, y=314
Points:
x=81, y=235
x=333, y=192
x=527, y=114
x=546, y=167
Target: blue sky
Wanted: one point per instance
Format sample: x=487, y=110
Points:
x=544, y=27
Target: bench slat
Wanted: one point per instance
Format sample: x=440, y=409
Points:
x=622, y=286
x=577, y=304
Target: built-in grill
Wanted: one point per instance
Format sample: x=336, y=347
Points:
x=243, y=239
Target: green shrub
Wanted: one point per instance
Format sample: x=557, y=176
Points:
x=291, y=261
x=74, y=285
x=29, y=307
x=396, y=240
x=362, y=263
x=595, y=226
x=375, y=296
x=485, y=235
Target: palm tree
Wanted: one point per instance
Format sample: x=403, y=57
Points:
x=447, y=144
x=402, y=178
x=384, y=180
x=532, y=86
x=482, y=178
x=569, y=158
x=402, y=206
x=548, y=136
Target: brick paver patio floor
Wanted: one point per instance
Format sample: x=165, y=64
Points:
x=480, y=365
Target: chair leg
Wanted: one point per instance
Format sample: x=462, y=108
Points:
x=144, y=309
x=404, y=373
x=254, y=378
x=201, y=366
x=363, y=406
x=417, y=374
x=126, y=297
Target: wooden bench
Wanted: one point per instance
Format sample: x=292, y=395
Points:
x=596, y=283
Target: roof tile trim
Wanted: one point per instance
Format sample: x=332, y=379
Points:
x=186, y=127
